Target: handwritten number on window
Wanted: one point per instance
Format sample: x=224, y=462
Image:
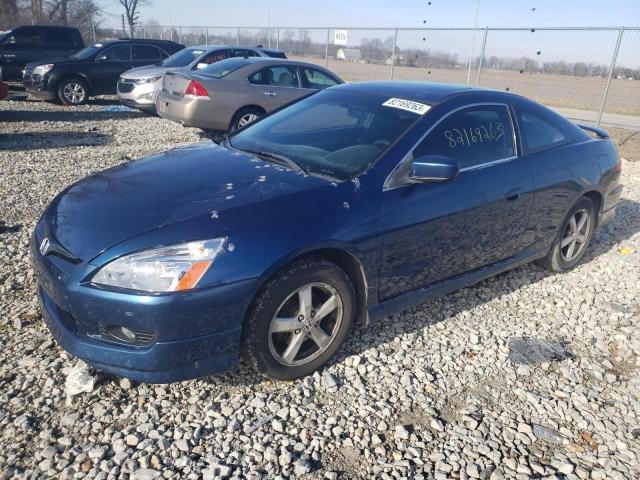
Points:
x=468, y=136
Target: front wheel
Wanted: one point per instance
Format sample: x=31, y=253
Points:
x=73, y=91
x=299, y=320
x=574, y=236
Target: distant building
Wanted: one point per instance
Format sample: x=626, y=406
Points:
x=349, y=54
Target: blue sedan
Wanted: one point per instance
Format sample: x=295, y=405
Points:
x=357, y=202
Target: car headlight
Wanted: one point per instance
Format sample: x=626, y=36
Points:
x=142, y=81
x=164, y=269
x=42, y=69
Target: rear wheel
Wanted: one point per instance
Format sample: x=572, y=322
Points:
x=73, y=91
x=574, y=236
x=299, y=320
x=244, y=117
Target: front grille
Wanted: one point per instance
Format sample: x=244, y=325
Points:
x=125, y=87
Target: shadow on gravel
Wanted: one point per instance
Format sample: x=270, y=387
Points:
x=66, y=115
x=43, y=140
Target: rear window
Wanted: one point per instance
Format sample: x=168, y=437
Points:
x=224, y=67
x=274, y=54
x=182, y=58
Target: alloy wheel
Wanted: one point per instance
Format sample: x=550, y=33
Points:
x=246, y=119
x=575, y=235
x=73, y=92
x=305, y=324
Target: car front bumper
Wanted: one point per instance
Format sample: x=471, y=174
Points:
x=191, y=334
x=142, y=96
x=38, y=86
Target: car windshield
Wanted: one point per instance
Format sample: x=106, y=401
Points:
x=333, y=133
x=87, y=52
x=182, y=58
x=223, y=67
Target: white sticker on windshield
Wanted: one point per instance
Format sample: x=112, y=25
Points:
x=408, y=105
x=98, y=45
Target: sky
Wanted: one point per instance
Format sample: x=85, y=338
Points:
x=387, y=13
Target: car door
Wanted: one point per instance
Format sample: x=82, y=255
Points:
x=23, y=45
x=280, y=85
x=434, y=231
x=60, y=42
x=109, y=64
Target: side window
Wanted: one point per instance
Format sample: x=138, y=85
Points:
x=25, y=37
x=119, y=53
x=317, y=79
x=145, y=52
x=538, y=134
x=242, y=52
x=215, y=56
x=278, y=76
x=473, y=136
x=59, y=36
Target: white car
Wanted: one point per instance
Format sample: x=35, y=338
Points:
x=138, y=87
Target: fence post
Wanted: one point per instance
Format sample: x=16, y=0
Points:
x=144, y=32
x=278, y=38
x=180, y=34
x=326, y=49
x=484, y=45
x=93, y=31
x=614, y=59
x=238, y=36
x=393, y=54
x=206, y=35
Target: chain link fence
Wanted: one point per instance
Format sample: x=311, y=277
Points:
x=589, y=74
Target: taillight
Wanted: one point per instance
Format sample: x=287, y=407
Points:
x=618, y=167
x=196, y=89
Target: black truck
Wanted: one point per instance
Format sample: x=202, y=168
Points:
x=93, y=70
x=22, y=45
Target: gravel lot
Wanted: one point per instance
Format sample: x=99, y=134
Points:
x=432, y=392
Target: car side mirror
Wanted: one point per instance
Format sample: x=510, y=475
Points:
x=101, y=58
x=434, y=168
x=201, y=65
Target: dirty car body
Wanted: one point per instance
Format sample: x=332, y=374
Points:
x=403, y=230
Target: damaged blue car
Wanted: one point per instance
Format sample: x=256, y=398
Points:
x=354, y=203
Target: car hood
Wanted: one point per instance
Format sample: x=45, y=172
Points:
x=54, y=60
x=148, y=71
x=107, y=208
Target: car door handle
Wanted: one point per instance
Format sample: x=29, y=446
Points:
x=271, y=94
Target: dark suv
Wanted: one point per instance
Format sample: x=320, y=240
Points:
x=29, y=43
x=94, y=70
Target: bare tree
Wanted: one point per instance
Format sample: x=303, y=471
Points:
x=132, y=12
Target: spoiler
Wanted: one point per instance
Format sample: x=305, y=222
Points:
x=600, y=133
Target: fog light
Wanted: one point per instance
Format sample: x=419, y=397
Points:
x=131, y=336
x=123, y=334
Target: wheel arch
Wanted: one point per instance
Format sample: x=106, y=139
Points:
x=69, y=75
x=341, y=256
x=245, y=107
x=596, y=197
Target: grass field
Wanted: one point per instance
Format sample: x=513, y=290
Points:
x=565, y=91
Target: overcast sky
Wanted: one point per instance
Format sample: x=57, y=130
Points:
x=387, y=13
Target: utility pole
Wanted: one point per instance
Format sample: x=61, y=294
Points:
x=473, y=41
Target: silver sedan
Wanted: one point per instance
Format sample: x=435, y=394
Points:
x=230, y=94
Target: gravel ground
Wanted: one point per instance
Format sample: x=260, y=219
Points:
x=446, y=390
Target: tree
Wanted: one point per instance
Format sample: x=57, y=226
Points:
x=132, y=12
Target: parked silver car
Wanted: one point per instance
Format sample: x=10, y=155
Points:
x=232, y=93
x=138, y=87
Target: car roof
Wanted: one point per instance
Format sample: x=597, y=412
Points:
x=137, y=40
x=429, y=92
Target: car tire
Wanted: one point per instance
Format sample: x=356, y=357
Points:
x=573, y=237
x=299, y=320
x=73, y=91
x=244, y=117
